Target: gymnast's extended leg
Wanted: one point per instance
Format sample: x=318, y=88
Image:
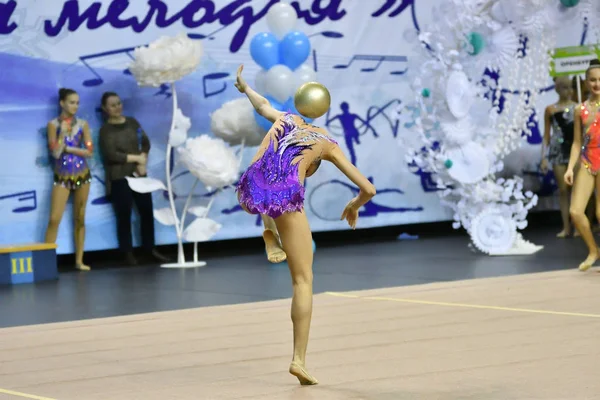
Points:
x=80, y=197
x=580, y=196
x=297, y=242
x=275, y=253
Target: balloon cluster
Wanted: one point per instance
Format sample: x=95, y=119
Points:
x=281, y=53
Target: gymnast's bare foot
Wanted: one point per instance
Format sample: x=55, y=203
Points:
x=82, y=267
x=302, y=374
x=275, y=253
x=563, y=234
x=589, y=261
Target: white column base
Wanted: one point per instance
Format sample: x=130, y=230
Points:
x=190, y=264
x=520, y=247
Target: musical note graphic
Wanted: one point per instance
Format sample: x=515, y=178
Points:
x=376, y=58
x=327, y=34
x=98, y=80
x=23, y=196
x=211, y=77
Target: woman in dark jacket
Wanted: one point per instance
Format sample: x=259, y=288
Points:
x=125, y=147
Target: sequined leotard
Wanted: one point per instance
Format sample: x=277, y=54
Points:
x=71, y=170
x=271, y=184
x=561, y=140
x=590, y=149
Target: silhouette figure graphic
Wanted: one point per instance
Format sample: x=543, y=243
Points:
x=370, y=209
x=351, y=132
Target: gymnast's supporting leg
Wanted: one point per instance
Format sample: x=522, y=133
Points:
x=582, y=191
x=275, y=253
x=80, y=197
x=297, y=242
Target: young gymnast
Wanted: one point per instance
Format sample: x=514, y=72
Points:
x=70, y=142
x=273, y=185
x=586, y=142
x=558, y=138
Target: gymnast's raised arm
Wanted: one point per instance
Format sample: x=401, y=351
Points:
x=262, y=105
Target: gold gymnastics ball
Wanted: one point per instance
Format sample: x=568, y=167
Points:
x=312, y=100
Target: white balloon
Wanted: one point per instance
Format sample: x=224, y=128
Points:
x=281, y=83
x=304, y=74
x=260, y=81
x=281, y=19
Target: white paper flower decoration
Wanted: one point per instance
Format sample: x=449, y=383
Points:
x=463, y=133
x=165, y=216
x=459, y=94
x=198, y=211
x=145, y=184
x=166, y=60
x=234, y=122
x=493, y=231
x=458, y=132
x=469, y=163
x=500, y=50
x=210, y=160
x=201, y=230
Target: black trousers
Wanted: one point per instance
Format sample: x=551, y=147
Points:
x=123, y=198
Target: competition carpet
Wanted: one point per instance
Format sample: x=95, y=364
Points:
x=532, y=336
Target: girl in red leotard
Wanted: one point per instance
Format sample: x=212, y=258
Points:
x=586, y=142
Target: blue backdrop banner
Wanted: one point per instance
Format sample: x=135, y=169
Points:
x=359, y=50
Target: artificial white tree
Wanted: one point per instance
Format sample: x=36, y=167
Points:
x=166, y=61
x=462, y=135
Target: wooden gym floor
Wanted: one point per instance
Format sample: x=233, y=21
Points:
x=529, y=336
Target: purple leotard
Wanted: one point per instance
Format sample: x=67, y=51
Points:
x=70, y=170
x=271, y=186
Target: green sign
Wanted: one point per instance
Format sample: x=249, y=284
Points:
x=573, y=60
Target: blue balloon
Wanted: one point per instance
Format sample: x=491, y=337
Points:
x=264, y=50
x=294, y=49
x=289, y=106
x=262, y=121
